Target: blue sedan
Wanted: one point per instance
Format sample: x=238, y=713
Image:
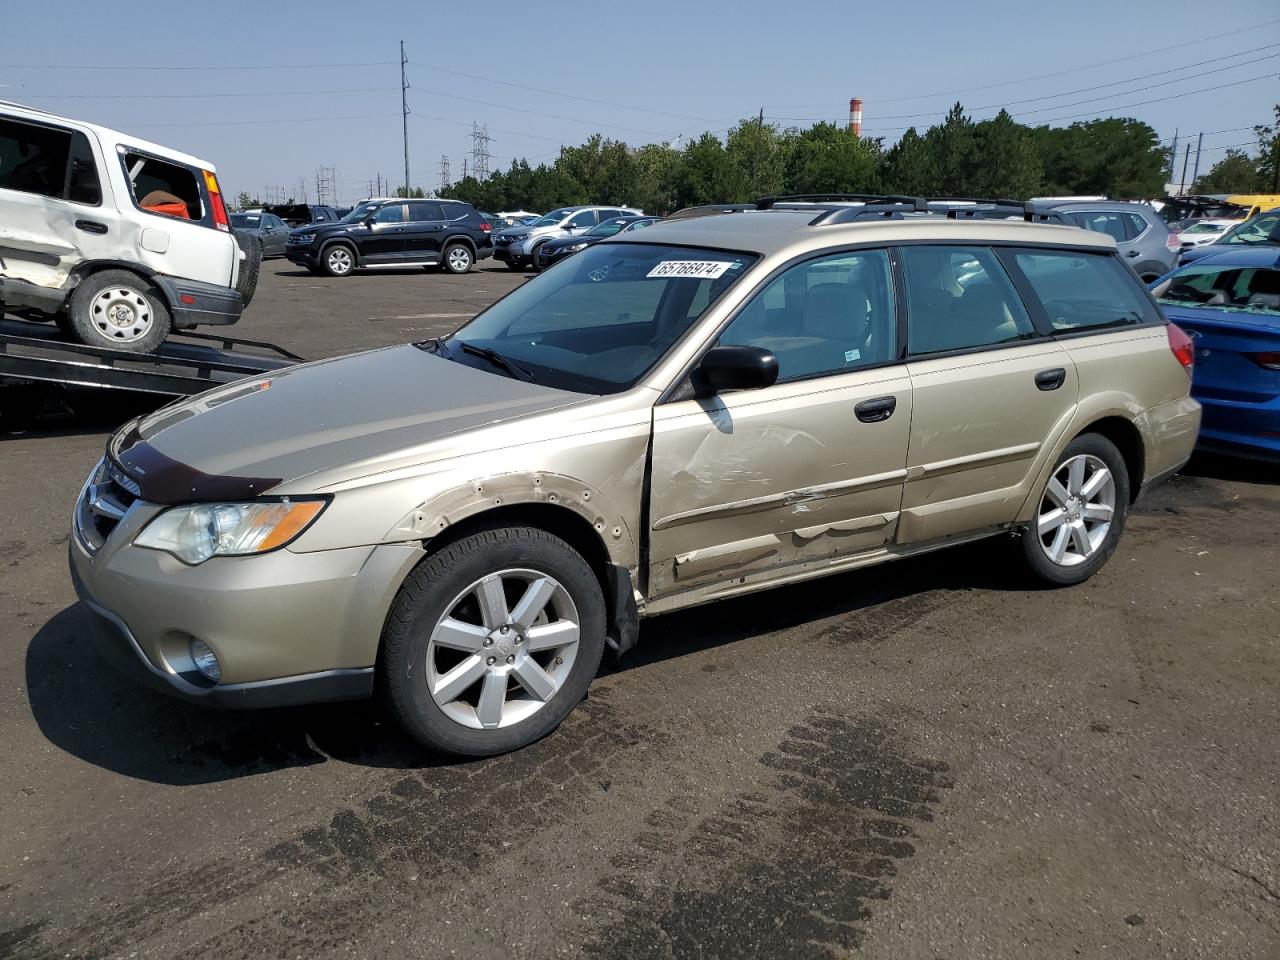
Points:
x=1229, y=302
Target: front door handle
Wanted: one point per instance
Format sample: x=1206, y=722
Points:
x=877, y=410
x=1051, y=379
x=1133, y=253
x=91, y=226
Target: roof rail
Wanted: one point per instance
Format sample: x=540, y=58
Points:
x=766, y=203
x=953, y=208
x=710, y=209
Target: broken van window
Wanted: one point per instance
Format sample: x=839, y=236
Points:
x=164, y=188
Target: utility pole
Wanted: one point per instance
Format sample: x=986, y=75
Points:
x=444, y=172
x=480, y=154
x=464, y=168
x=1195, y=171
x=1182, y=181
x=1173, y=155
x=404, y=115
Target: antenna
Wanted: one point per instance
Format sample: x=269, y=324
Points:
x=480, y=155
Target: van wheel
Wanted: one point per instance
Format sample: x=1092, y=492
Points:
x=339, y=260
x=457, y=258
x=492, y=642
x=116, y=308
x=1080, y=514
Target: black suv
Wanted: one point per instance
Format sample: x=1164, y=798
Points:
x=394, y=233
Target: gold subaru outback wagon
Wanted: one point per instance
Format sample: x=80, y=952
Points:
x=717, y=405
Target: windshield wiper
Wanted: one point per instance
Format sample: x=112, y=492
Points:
x=498, y=360
x=436, y=345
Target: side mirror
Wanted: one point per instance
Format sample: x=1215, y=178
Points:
x=735, y=368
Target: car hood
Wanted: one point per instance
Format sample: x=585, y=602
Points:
x=561, y=242
x=517, y=231
x=348, y=412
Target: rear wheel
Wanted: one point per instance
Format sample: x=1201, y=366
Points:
x=457, y=258
x=1080, y=514
x=119, y=309
x=492, y=641
x=250, y=266
x=339, y=260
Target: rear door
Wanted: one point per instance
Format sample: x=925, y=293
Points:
x=424, y=232
x=989, y=392
x=53, y=213
x=809, y=470
x=385, y=240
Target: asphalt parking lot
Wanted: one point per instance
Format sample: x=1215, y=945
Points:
x=927, y=759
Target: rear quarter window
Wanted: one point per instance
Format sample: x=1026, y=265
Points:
x=163, y=188
x=1085, y=291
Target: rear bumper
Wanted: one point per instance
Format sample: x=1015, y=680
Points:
x=1241, y=429
x=193, y=303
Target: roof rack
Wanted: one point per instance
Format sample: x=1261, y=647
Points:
x=768, y=203
x=953, y=208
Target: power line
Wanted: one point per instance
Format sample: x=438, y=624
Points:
x=536, y=113
x=255, y=66
x=199, y=96
x=557, y=93
x=1057, y=73
x=1174, y=96
x=273, y=121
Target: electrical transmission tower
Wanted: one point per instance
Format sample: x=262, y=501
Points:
x=445, y=180
x=325, y=182
x=480, y=155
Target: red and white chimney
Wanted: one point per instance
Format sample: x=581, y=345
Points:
x=855, y=117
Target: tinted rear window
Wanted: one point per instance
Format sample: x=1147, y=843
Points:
x=1081, y=291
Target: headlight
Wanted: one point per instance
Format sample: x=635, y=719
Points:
x=302, y=238
x=517, y=237
x=575, y=247
x=199, y=531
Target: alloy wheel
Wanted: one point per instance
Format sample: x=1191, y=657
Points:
x=339, y=260
x=1076, y=511
x=503, y=649
x=459, y=260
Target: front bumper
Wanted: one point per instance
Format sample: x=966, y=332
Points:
x=304, y=255
x=287, y=627
x=193, y=303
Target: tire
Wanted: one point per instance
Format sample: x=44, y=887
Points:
x=457, y=258
x=1076, y=565
x=519, y=267
x=338, y=260
x=489, y=664
x=533, y=258
x=250, y=267
x=119, y=309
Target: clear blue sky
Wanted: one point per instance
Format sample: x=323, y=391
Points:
x=663, y=69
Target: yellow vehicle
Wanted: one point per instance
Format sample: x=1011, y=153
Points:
x=1255, y=203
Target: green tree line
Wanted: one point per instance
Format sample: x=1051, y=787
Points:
x=999, y=157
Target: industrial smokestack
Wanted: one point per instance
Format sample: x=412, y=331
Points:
x=855, y=117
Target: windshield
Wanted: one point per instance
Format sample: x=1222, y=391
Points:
x=245, y=221
x=607, y=229
x=1205, y=228
x=551, y=219
x=599, y=322
x=360, y=212
x=1264, y=229
x=1218, y=287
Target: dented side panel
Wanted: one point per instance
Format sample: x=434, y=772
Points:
x=761, y=479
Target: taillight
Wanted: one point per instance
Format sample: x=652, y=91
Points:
x=215, y=200
x=1173, y=243
x=1268, y=361
x=486, y=226
x=1183, y=347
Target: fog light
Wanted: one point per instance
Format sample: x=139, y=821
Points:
x=206, y=660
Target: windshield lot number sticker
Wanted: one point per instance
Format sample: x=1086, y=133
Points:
x=701, y=269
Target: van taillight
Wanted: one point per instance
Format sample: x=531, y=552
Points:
x=1183, y=347
x=215, y=200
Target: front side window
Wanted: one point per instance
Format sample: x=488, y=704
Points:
x=48, y=161
x=1245, y=289
x=391, y=213
x=360, y=213
x=600, y=321
x=1082, y=291
x=1264, y=229
x=960, y=298
x=824, y=316
x=163, y=188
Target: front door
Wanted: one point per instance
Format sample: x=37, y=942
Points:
x=424, y=232
x=385, y=241
x=809, y=470
x=989, y=393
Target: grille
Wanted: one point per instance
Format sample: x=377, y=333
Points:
x=106, y=499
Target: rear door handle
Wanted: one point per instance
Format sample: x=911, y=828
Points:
x=877, y=410
x=91, y=226
x=1051, y=379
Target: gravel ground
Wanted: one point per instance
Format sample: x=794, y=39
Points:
x=928, y=759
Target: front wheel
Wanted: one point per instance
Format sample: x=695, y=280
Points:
x=1080, y=514
x=492, y=642
x=339, y=260
x=457, y=258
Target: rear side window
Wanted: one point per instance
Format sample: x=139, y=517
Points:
x=419, y=212
x=48, y=161
x=458, y=211
x=960, y=298
x=824, y=316
x=164, y=188
x=1118, y=225
x=587, y=218
x=1082, y=291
